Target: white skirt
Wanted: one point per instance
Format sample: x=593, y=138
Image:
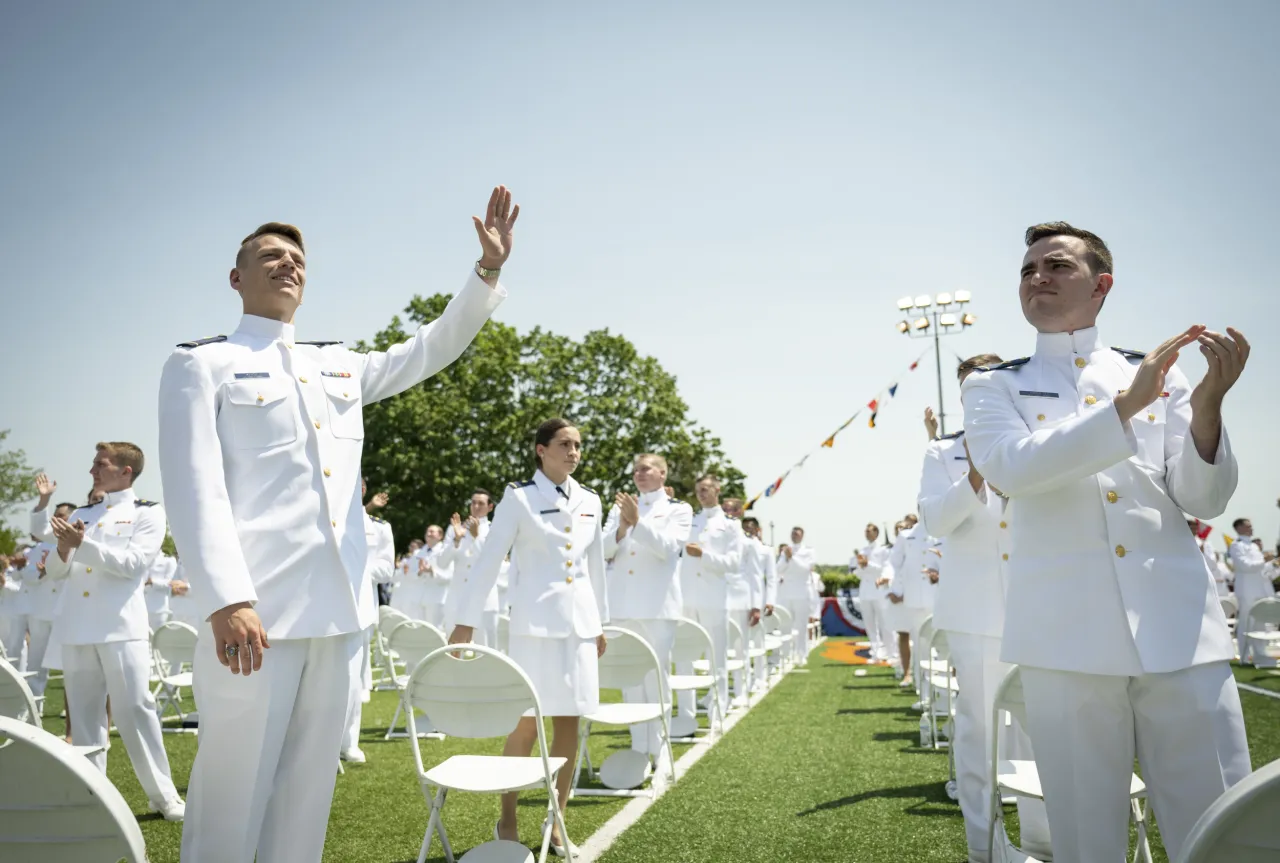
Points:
x=564, y=671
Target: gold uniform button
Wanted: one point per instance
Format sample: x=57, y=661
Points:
x=1120, y=552
x=1081, y=362
x=1090, y=400
x=334, y=523
x=317, y=423
x=568, y=530
x=1112, y=497
x=1004, y=557
x=259, y=397
x=568, y=546
x=344, y=395
x=326, y=472
x=1040, y=417
x=88, y=569
x=86, y=593
x=568, y=564
x=1004, y=524
x=1151, y=417
x=302, y=380
x=631, y=572
x=568, y=579
x=99, y=524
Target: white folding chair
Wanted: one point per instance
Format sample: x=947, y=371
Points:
x=757, y=649
x=57, y=807
x=941, y=684
x=1230, y=608
x=477, y=694
x=734, y=662
x=1240, y=827
x=384, y=660
x=691, y=644
x=173, y=651
x=1020, y=778
x=17, y=702
x=627, y=660
x=1262, y=645
x=789, y=642
x=775, y=642
x=920, y=638
x=411, y=640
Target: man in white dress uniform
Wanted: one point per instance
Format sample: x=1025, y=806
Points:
x=795, y=571
x=158, y=590
x=644, y=536
x=913, y=570
x=873, y=591
x=1100, y=452
x=260, y=446
x=713, y=551
x=956, y=506
x=406, y=590
x=765, y=568
x=434, y=578
x=1253, y=576
x=463, y=542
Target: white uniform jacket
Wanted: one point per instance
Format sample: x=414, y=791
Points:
x=1252, y=575
x=794, y=574
x=260, y=445
x=103, y=599
x=158, y=591
x=461, y=558
x=877, y=556
x=744, y=585
x=557, y=548
x=976, y=541
x=434, y=583
x=644, y=579
x=759, y=574
x=1096, y=511
x=704, y=580
x=45, y=591
x=910, y=557
x=380, y=564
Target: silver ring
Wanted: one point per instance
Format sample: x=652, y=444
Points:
x=231, y=650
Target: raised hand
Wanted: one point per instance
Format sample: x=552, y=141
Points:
x=178, y=587
x=693, y=549
x=1148, y=383
x=69, y=535
x=495, y=231
x=45, y=487
x=1226, y=356
x=472, y=525
x=379, y=500
x=930, y=423
x=455, y=522
x=628, y=508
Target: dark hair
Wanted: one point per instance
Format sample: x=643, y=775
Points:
x=708, y=476
x=74, y=506
x=1235, y=525
x=797, y=527
x=872, y=524
x=751, y=519
x=544, y=435
x=484, y=492
x=1097, y=255
x=978, y=361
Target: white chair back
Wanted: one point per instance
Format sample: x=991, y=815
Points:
x=784, y=618
x=414, y=639
x=925, y=632
x=941, y=646
x=480, y=693
x=389, y=618
x=1230, y=605
x=735, y=634
x=627, y=660
x=1010, y=698
x=1262, y=612
x=1240, y=827
x=58, y=807
x=175, y=643
x=16, y=700
x=692, y=641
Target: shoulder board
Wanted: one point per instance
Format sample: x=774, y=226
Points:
x=591, y=490
x=195, y=343
x=141, y=502
x=952, y=436
x=1012, y=364
x=525, y=484
x=378, y=520
x=1133, y=355
x=318, y=344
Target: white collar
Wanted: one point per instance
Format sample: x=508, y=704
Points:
x=712, y=511
x=117, y=498
x=652, y=496
x=1080, y=343
x=266, y=328
x=548, y=488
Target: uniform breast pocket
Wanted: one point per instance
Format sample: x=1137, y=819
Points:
x=346, y=415
x=1044, y=412
x=1149, y=428
x=260, y=414
x=117, y=535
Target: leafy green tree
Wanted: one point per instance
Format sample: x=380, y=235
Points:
x=471, y=426
x=16, y=477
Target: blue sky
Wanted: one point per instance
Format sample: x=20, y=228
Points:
x=743, y=189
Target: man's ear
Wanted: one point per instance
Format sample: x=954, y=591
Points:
x=1103, y=286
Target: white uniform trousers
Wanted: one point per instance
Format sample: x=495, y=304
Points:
x=799, y=608
x=716, y=622
x=121, y=670
x=157, y=619
x=264, y=772
x=979, y=672
x=1188, y=730
x=40, y=631
x=885, y=641
x=433, y=613
x=13, y=634
x=361, y=685
x=742, y=679
x=661, y=635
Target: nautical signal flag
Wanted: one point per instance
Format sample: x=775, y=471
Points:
x=912, y=367
x=893, y=390
x=829, y=442
x=873, y=404
x=871, y=423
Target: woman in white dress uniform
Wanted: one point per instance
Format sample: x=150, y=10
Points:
x=551, y=525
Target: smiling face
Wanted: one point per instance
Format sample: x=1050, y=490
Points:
x=1059, y=290
x=871, y=533
x=270, y=275
x=480, y=507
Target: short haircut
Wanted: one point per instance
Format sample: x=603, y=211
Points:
x=1098, y=255
x=708, y=477
x=484, y=492
x=123, y=454
x=873, y=526
x=751, y=520
x=546, y=433
x=64, y=505
x=1235, y=525
x=978, y=361
x=655, y=460
x=278, y=229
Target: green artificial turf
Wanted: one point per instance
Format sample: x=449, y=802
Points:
x=826, y=768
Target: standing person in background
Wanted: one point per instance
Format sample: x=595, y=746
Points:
x=746, y=600
x=911, y=591
x=1253, y=577
x=868, y=564
x=551, y=525
x=157, y=590
x=463, y=542
x=406, y=593
x=261, y=438
x=795, y=586
x=434, y=577
x=765, y=568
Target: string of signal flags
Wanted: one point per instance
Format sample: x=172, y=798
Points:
x=874, y=406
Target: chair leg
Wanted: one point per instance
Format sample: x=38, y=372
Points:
x=395, y=718
x=577, y=767
x=1142, y=847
